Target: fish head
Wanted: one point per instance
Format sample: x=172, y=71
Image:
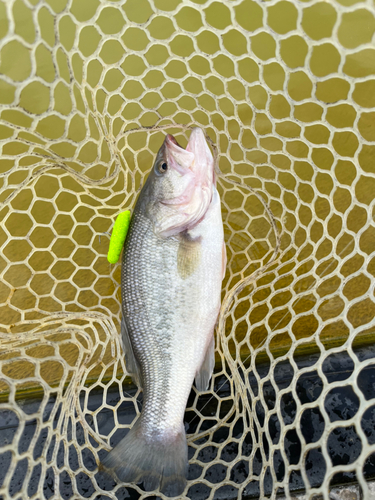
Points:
x=180, y=185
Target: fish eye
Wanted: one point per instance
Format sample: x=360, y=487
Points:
x=162, y=167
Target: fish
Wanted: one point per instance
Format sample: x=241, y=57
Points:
x=173, y=264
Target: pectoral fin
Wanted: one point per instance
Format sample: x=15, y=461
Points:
x=202, y=378
x=188, y=255
x=132, y=365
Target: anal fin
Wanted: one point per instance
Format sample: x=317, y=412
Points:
x=203, y=376
x=132, y=365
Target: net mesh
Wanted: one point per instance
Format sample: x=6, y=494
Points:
x=286, y=93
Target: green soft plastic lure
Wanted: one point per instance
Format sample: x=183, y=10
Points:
x=118, y=236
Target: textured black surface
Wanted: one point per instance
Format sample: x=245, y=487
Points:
x=343, y=445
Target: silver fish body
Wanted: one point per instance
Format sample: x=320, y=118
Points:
x=171, y=299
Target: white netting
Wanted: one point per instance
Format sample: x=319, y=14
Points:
x=286, y=93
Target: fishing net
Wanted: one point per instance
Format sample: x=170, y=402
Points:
x=286, y=94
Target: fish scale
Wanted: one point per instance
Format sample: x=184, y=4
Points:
x=150, y=293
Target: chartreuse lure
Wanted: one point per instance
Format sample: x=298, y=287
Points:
x=118, y=236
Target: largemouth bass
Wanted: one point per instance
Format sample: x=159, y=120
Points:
x=173, y=264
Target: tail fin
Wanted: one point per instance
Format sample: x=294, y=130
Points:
x=155, y=463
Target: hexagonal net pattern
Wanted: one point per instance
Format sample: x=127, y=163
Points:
x=286, y=94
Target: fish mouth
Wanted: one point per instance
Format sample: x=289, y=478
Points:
x=195, y=161
x=172, y=140
x=197, y=156
x=178, y=158
x=195, y=165
x=182, y=161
